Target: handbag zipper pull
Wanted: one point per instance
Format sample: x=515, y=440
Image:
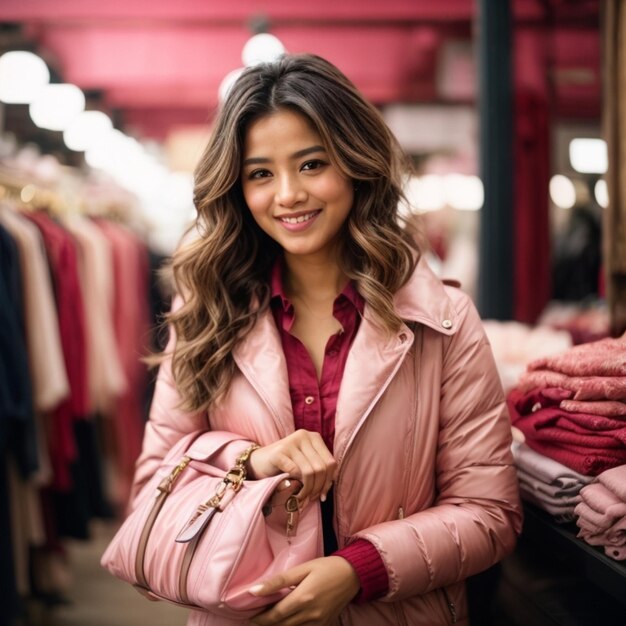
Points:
x=292, y=507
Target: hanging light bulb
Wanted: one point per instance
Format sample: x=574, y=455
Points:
x=588, y=156
x=227, y=83
x=464, y=193
x=261, y=48
x=22, y=76
x=601, y=192
x=562, y=191
x=86, y=130
x=56, y=106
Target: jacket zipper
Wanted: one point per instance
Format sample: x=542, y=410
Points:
x=450, y=604
x=417, y=347
x=356, y=430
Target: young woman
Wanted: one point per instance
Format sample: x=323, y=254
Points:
x=308, y=323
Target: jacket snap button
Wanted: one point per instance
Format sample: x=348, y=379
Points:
x=446, y=324
x=309, y=400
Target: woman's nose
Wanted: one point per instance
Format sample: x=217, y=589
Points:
x=290, y=192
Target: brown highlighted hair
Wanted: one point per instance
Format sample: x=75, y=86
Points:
x=223, y=271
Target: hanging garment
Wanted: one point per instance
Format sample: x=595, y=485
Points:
x=106, y=378
x=47, y=365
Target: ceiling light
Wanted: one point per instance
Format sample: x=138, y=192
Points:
x=57, y=105
x=601, y=192
x=588, y=156
x=22, y=77
x=86, y=130
x=429, y=193
x=261, y=48
x=227, y=83
x=464, y=193
x=562, y=191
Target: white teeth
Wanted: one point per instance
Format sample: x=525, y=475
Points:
x=298, y=220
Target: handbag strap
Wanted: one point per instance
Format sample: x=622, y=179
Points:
x=234, y=478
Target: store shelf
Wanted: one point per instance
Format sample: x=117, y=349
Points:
x=560, y=541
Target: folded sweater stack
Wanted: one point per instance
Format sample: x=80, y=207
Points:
x=548, y=484
x=602, y=512
x=572, y=407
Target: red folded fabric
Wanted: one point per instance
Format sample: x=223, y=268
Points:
x=591, y=421
x=606, y=357
x=537, y=398
x=546, y=428
x=588, y=462
x=536, y=416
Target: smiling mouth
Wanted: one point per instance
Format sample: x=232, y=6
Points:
x=300, y=218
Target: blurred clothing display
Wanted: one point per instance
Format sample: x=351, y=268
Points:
x=74, y=294
x=585, y=321
x=515, y=345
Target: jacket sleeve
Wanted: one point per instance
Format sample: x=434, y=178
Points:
x=168, y=423
x=476, y=517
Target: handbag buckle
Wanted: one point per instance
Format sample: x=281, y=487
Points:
x=165, y=485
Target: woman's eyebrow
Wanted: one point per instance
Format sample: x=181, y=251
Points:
x=296, y=155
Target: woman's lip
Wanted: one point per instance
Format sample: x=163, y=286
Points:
x=298, y=226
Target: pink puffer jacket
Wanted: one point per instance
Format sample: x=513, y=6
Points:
x=422, y=442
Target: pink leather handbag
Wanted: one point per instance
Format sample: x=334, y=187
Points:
x=201, y=539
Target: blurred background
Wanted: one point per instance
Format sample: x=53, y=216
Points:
x=505, y=108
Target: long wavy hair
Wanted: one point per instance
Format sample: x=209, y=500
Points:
x=223, y=272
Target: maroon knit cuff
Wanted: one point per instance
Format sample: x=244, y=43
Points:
x=369, y=567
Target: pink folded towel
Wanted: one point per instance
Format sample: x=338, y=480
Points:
x=615, y=481
x=604, y=501
x=606, y=357
x=590, y=520
x=606, y=408
x=584, y=387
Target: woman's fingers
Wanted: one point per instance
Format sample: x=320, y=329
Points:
x=329, y=463
x=304, y=456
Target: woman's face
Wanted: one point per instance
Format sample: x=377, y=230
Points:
x=293, y=191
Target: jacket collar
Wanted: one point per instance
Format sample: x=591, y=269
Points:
x=424, y=299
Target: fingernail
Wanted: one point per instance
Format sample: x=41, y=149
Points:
x=323, y=497
x=256, y=589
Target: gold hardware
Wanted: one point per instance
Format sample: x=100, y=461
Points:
x=292, y=506
x=234, y=478
x=168, y=481
x=242, y=459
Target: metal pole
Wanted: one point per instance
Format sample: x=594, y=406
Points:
x=496, y=253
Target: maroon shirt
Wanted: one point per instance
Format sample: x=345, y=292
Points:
x=314, y=403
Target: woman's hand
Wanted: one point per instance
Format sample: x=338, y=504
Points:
x=323, y=587
x=303, y=455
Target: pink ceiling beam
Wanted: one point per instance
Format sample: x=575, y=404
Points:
x=183, y=66
x=218, y=10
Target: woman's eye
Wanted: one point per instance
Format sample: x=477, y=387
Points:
x=258, y=174
x=312, y=165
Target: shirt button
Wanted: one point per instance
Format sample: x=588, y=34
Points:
x=309, y=400
x=446, y=324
